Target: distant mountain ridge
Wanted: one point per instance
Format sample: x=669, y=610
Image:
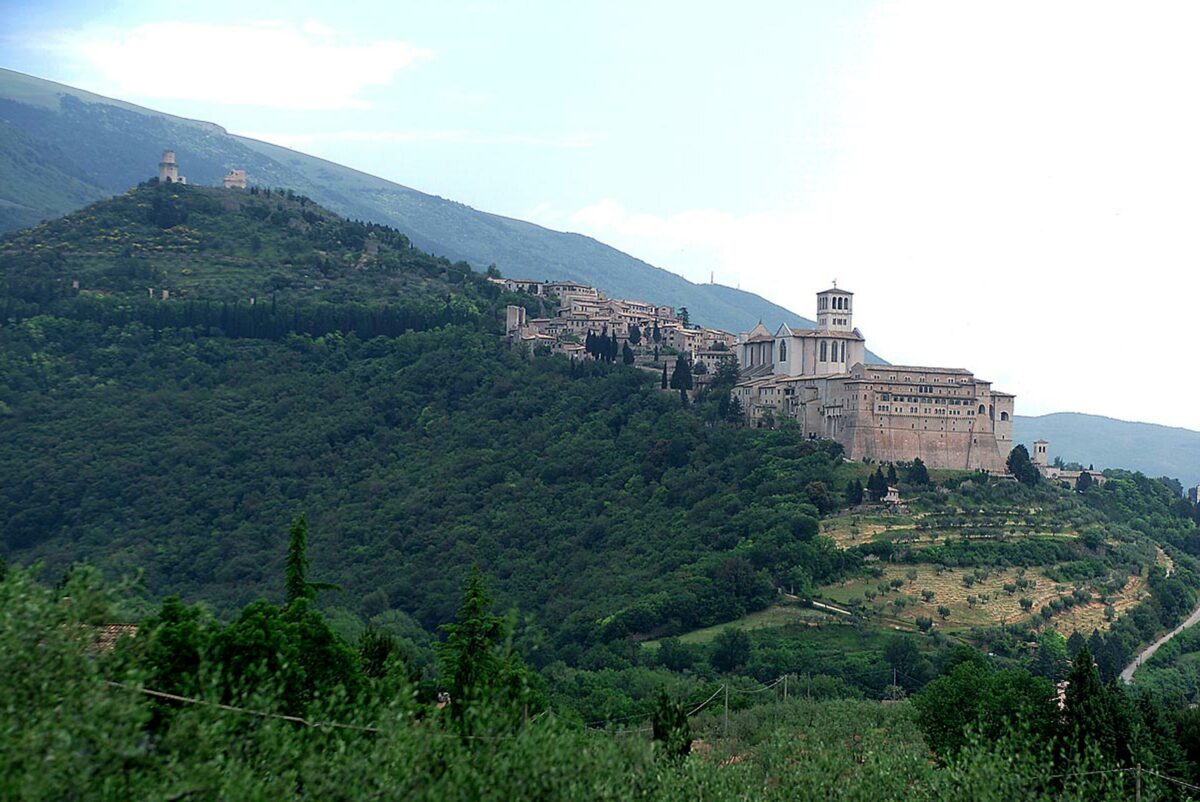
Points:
x=1153, y=449
x=62, y=148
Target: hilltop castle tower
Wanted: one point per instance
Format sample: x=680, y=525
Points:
x=1039, y=453
x=168, y=170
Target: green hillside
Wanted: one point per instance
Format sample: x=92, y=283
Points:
x=208, y=244
x=290, y=498
x=61, y=148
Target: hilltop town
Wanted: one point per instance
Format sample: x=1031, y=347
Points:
x=817, y=377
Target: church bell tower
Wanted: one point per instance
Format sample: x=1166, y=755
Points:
x=835, y=310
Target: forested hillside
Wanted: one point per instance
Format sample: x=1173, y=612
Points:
x=361, y=537
x=62, y=148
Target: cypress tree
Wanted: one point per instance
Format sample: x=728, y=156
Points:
x=627, y=354
x=681, y=379
x=295, y=575
x=892, y=478
x=664, y=377
x=877, y=485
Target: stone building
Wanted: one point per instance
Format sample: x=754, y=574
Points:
x=886, y=413
x=582, y=310
x=234, y=179
x=1041, y=461
x=168, y=169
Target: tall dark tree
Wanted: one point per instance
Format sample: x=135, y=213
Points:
x=1095, y=716
x=681, y=377
x=735, y=413
x=892, y=477
x=854, y=493
x=731, y=650
x=468, y=658
x=1083, y=482
x=635, y=334
x=877, y=485
x=657, y=335
x=917, y=473
x=627, y=354
x=664, y=377
x=295, y=575
x=1021, y=467
x=684, y=316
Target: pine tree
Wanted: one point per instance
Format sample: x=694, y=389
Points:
x=1095, y=716
x=854, y=493
x=295, y=575
x=1083, y=482
x=468, y=658
x=635, y=334
x=684, y=316
x=664, y=377
x=657, y=334
x=627, y=354
x=892, y=478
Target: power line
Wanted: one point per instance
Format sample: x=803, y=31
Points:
x=174, y=697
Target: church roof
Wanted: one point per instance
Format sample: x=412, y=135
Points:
x=829, y=333
x=835, y=289
x=758, y=334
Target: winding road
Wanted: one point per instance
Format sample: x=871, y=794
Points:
x=1148, y=652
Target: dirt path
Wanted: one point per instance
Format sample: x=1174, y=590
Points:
x=1148, y=652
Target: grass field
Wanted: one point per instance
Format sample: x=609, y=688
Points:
x=777, y=615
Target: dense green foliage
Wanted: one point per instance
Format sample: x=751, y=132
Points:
x=77, y=727
x=593, y=498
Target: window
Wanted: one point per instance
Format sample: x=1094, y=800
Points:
x=825, y=351
x=982, y=409
x=1003, y=416
x=843, y=350
x=782, y=351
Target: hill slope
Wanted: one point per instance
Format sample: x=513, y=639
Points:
x=208, y=244
x=1109, y=443
x=61, y=148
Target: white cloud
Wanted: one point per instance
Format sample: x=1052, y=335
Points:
x=267, y=63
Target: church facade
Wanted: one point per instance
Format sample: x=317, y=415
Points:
x=886, y=413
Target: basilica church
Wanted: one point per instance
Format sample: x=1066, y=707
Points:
x=886, y=413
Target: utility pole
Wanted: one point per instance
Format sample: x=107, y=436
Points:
x=785, y=676
x=893, y=684
x=1137, y=784
x=726, y=728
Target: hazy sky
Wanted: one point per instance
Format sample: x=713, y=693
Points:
x=1008, y=187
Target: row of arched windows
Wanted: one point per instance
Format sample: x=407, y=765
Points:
x=830, y=350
